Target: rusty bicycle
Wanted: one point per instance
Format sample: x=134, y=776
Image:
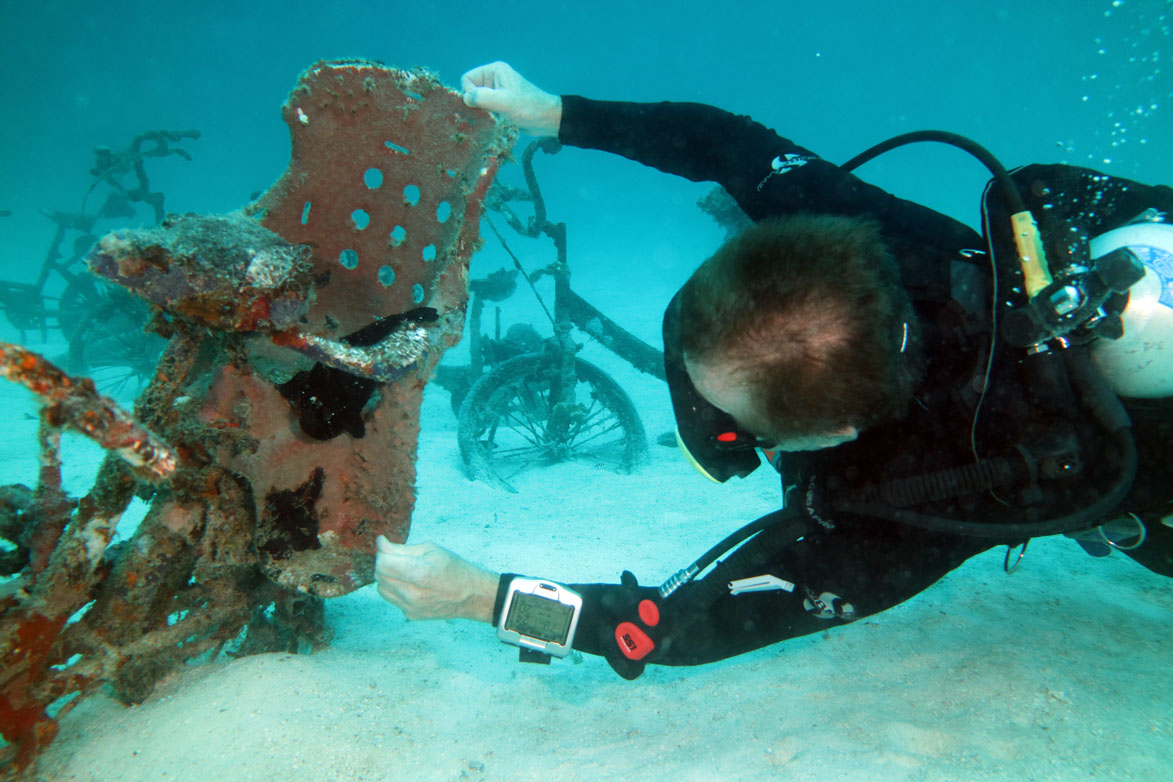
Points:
x=526, y=401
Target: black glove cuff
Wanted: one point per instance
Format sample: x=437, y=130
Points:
x=502, y=592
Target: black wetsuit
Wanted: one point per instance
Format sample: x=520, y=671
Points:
x=862, y=565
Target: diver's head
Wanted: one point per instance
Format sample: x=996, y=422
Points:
x=797, y=331
x=723, y=386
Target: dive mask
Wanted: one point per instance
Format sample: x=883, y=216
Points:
x=710, y=438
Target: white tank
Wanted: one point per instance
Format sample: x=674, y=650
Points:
x=1140, y=364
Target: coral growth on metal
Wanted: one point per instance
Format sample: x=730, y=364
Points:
x=390, y=206
x=75, y=404
x=277, y=437
x=226, y=272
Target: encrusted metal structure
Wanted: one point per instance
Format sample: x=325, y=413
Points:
x=278, y=435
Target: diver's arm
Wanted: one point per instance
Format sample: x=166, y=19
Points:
x=688, y=629
x=700, y=143
x=429, y=582
x=691, y=140
x=853, y=571
x=498, y=88
x=766, y=174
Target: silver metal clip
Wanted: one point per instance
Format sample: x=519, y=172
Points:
x=763, y=583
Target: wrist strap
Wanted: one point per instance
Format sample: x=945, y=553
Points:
x=502, y=592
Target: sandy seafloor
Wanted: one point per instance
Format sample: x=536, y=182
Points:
x=1059, y=671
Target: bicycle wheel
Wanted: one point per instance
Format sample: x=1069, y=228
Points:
x=111, y=347
x=82, y=295
x=508, y=424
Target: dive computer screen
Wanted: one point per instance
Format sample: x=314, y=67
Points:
x=539, y=617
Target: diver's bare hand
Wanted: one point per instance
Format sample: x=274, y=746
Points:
x=498, y=88
x=429, y=582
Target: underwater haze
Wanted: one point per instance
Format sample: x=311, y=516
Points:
x=1059, y=671
x=1085, y=81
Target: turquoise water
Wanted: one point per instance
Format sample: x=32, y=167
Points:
x=1088, y=84
x=1085, y=82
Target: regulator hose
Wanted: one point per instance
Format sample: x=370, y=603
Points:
x=983, y=155
x=773, y=531
x=1099, y=400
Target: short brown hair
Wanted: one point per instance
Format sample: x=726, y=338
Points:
x=810, y=312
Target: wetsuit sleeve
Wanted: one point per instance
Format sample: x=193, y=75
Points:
x=846, y=573
x=697, y=142
x=706, y=144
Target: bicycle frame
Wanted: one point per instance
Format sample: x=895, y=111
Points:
x=570, y=309
x=530, y=408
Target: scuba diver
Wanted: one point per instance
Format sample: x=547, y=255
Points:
x=925, y=392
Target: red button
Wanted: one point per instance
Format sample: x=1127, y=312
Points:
x=649, y=612
x=633, y=642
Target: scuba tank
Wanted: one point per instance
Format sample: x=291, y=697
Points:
x=1140, y=362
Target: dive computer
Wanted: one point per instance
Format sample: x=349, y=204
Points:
x=540, y=616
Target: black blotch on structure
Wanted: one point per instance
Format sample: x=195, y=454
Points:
x=291, y=518
x=330, y=401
